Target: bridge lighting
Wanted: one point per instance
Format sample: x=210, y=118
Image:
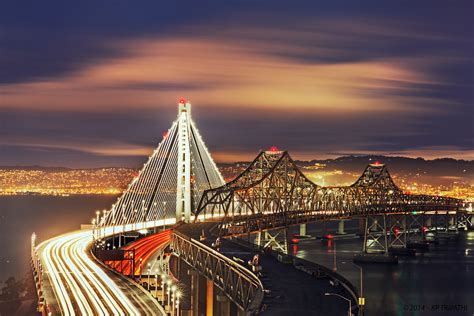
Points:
x=182, y=100
x=397, y=231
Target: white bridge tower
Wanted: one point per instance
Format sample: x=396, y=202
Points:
x=172, y=181
x=183, y=189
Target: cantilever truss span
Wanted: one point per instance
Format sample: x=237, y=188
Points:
x=272, y=192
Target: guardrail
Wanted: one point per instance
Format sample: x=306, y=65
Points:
x=309, y=267
x=240, y=284
x=37, y=269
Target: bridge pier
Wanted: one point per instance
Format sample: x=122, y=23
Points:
x=274, y=240
x=341, y=227
x=375, y=247
x=375, y=236
x=362, y=226
x=194, y=297
x=223, y=306
x=302, y=229
x=209, y=297
x=397, y=231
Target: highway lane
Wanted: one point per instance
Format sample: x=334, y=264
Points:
x=82, y=286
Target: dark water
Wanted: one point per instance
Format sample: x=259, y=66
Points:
x=48, y=216
x=437, y=282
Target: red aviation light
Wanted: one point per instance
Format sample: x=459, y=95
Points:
x=295, y=240
x=377, y=163
x=424, y=229
x=329, y=236
x=182, y=100
x=397, y=231
x=165, y=134
x=274, y=149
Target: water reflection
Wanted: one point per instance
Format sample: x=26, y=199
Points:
x=431, y=283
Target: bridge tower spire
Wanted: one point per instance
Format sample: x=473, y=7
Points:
x=183, y=188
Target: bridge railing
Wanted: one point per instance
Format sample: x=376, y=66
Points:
x=241, y=285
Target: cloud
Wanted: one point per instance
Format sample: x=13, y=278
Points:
x=313, y=85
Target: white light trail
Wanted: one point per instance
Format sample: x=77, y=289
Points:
x=73, y=274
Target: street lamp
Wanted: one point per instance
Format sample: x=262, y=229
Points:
x=154, y=206
x=349, y=313
x=163, y=276
x=149, y=271
x=164, y=214
x=361, y=301
x=178, y=296
x=173, y=298
x=168, y=291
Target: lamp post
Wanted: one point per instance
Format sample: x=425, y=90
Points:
x=148, y=283
x=97, y=213
x=163, y=276
x=349, y=312
x=143, y=213
x=173, y=299
x=154, y=205
x=178, y=296
x=361, y=301
x=93, y=230
x=168, y=291
x=156, y=286
x=164, y=214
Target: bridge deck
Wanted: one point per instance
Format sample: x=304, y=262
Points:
x=291, y=291
x=72, y=273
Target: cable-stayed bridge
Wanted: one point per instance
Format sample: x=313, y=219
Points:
x=181, y=187
x=173, y=179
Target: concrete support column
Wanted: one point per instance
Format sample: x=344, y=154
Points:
x=224, y=305
x=302, y=229
x=361, y=226
x=428, y=222
x=324, y=231
x=451, y=220
x=209, y=298
x=241, y=312
x=341, y=227
x=375, y=222
x=259, y=239
x=194, y=292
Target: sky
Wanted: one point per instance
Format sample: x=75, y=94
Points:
x=96, y=83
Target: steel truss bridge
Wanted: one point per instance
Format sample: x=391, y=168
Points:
x=273, y=193
x=180, y=183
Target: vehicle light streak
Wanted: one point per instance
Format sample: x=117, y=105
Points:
x=80, y=284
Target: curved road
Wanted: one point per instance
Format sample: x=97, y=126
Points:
x=77, y=284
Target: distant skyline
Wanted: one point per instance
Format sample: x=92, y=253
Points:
x=96, y=83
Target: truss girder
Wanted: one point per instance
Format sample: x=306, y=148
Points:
x=241, y=285
x=273, y=191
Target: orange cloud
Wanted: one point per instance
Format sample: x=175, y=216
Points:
x=223, y=73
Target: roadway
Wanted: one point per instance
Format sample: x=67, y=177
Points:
x=77, y=284
x=288, y=290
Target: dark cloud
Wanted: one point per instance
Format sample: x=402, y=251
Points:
x=53, y=39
